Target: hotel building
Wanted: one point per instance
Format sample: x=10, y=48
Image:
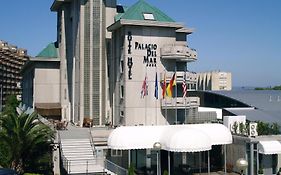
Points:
x=12, y=60
x=148, y=48
x=127, y=67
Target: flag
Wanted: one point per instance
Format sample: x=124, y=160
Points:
x=156, y=87
x=144, y=88
x=170, y=86
x=164, y=86
x=184, y=87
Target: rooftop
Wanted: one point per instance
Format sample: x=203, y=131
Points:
x=143, y=11
x=266, y=103
x=51, y=51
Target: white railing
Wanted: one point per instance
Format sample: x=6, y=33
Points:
x=176, y=51
x=112, y=167
x=180, y=102
x=92, y=141
x=95, y=165
x=191, y=77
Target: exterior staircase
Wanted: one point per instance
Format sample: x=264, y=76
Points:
x=78, y=152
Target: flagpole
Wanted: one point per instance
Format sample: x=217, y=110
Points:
x=184, y=79
x=176, y=94
x=156, y=95
x=166, y=112
x=145, y=120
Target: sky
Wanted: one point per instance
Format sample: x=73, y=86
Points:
x=238, y=36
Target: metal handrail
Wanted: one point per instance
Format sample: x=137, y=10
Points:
x=115, y=168
x=69, y=164
x=92, y=142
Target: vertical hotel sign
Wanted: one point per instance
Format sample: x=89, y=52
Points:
x=130, y=59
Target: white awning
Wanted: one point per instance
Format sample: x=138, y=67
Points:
x=134, y=137
x=269, y=147
x=176, y=138
x=185, y=139
x=218, y=133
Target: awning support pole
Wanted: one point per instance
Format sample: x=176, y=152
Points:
x=258, y=162
x=169, y=163
x=209, y=162
x=129, y=158
x=200, y=162
x=224, y=146
x=252, y=158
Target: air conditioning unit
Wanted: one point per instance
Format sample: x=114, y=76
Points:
x=253, y=129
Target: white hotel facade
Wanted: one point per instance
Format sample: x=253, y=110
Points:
x=146, y=51
x=105, y=54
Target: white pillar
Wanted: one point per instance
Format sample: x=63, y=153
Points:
x=224, y=159
x=129, y=158
x=252, y=158
x=169, y=163
x=157, y=169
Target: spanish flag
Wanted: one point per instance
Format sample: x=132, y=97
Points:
x=171, y=84
x=164, y=86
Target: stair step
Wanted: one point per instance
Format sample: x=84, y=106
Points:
x=82, y=156
x=76, y=146
x=76, y=141
x=78, y=154
x=85, y=169
x=81, y=151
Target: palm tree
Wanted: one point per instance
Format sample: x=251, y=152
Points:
x=24, y=140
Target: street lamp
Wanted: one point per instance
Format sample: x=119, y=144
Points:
x=242, y=164
x=157, y=147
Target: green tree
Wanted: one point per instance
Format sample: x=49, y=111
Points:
x=131, y=170
x=268, y=129
x=25, y=142
x=275, y=129
x=11, y=105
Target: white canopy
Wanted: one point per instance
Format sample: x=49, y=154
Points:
x=134, y=137
x=185, y=139
x=176, y=138
x=218, y=133
x=269, y=147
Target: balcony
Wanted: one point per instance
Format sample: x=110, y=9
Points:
x=180, y=103
x=179, y=52
x=191, y=77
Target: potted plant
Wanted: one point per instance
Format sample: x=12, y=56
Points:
x=260, y=172
x=229, y=168
x=131, y=170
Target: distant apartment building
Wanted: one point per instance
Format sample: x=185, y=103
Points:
x=214, y=81
x=12, y=60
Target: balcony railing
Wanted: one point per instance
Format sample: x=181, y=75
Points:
x=180, y=103
x=190, y=77
x=179, y=52
x=112, y=167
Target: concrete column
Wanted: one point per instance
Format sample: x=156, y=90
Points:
x=251, y=158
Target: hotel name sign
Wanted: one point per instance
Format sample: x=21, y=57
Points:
x=149, y=59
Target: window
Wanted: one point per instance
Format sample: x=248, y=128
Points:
x=122, y=91
x=148, y=16
x=116, y=153
x=121, y=66
x=121, y=113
